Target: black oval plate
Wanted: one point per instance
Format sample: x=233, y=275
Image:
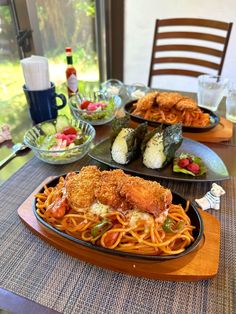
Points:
x=195, y=217
x=216, y=169
x=128, y=108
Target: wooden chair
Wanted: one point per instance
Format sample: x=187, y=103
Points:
x=185, y=56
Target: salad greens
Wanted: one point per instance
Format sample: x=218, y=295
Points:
x=60, y=135
x=45, y=142
x=96, y=110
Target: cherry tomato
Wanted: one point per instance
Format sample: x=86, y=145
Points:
x=69, y=130
x=85, y=104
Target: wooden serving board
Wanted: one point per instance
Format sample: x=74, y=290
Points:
x=199, y=265
x=221, y=133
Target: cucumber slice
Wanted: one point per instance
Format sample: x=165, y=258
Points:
x=48, y=128
x=62, y=121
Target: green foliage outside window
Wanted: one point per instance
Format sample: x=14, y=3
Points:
x=61, y=23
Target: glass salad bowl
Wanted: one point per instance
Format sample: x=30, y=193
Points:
x=96, y=108
x=60, y=141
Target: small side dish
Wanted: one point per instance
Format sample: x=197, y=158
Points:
x=189, y=164
x=97, y=109
x=60, y=136
x=60, y=141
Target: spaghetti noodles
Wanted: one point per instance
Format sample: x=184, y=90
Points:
x=131, y=230
x=171, y=108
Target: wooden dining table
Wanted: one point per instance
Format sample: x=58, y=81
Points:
x=36, y=277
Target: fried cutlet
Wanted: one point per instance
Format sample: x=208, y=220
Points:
x=115, y=189
x=145, y=102
x=148, y=196
x=168, y=100
x=186, y=103
x=80, y=187
x=108, y=191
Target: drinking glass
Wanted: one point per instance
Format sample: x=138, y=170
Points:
x=211, y=89
x=112, y=87
x=231, y=103
x=137, y=90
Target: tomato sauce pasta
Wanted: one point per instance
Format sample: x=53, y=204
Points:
x=171, y=108
x=128, y=230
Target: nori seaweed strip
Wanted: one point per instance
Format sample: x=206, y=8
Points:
x=134, y=140
x=148, y=136
x=140, y=132
x=117, y=125
x=172, y=140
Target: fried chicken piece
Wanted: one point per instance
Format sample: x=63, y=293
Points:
x=80, y=187
x=107, y=192
x=147, y=196
x=186, y=103
x=145, y=102
x=168, y=100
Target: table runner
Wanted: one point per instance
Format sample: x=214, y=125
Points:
x=32, y=268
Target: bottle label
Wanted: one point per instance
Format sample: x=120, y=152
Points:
x=72, y=83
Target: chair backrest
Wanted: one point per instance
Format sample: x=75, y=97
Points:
x=176, y=48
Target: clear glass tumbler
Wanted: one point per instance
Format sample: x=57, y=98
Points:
x=231, y=103
x=211, y=89
x=137, y=90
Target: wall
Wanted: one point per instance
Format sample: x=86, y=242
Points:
x=140, y=16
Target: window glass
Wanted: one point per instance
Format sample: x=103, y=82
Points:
x=12, y=104
x=61, y=24
x=69, y=23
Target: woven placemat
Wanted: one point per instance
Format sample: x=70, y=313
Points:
x=34, y=269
